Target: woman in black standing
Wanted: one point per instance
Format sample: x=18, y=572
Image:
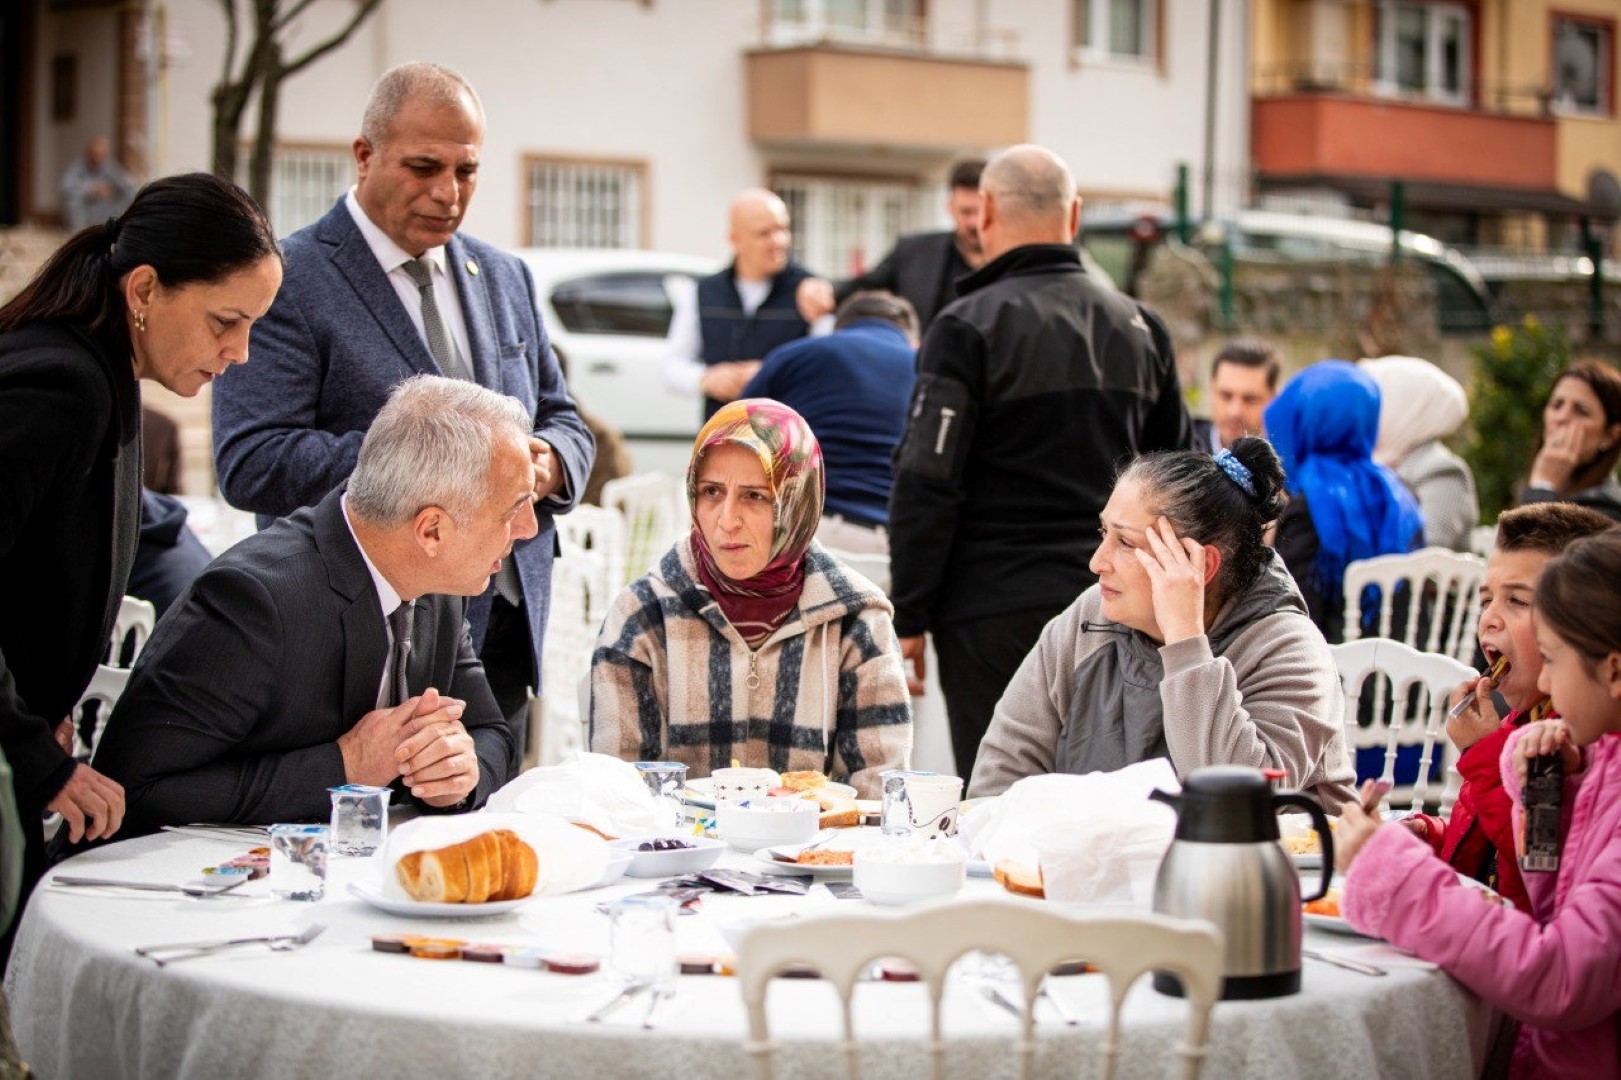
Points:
x=166, y=291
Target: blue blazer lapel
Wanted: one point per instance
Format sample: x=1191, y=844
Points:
x=353, y=258
x=474, y=295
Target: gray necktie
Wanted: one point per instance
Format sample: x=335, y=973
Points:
x=440, y=343
x=399, y=623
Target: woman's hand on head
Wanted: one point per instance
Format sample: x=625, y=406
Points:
x=1176, y=574
x=1541, y=739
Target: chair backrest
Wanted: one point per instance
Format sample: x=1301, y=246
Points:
x=580, y=598
x=596, y=532
x=106, y=687
x=1405, y=668
x=131, y=627
x=1441, y=599
x=655, y=509
x=1034, y=936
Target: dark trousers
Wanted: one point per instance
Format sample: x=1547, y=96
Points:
x=977, y=660
x=509, y=664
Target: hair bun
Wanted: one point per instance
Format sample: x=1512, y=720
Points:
x=1266, y=471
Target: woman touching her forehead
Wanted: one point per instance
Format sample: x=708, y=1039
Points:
x=1193, y=645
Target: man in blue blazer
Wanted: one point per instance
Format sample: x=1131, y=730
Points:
x=384, y=287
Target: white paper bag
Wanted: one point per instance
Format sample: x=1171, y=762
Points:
x=1097, y=837
x=601, y=791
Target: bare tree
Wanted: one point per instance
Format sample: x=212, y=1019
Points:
x=261, y=68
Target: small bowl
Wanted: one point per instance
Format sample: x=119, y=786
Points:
x=751, y=826
x=886, y=875
x=701, y=855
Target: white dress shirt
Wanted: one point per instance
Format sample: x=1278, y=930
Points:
x=387, y=600
x=392, y=258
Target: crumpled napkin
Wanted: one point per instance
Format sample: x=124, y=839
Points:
x=1097, y=837
x=601, y=791
x=570, y=858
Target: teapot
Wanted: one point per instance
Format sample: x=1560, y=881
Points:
x=1225, y=864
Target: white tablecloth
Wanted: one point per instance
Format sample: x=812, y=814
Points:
x=84, y=1005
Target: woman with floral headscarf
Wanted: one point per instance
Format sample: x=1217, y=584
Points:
x=748, y=641
x=1343, y=506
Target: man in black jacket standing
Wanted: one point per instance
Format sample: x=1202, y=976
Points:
x=923, y=267
x=1033, y=388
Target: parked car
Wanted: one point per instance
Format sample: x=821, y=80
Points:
x=607, y=312
x=1464, y=303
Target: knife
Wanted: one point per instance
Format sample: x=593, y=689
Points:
x=153, y=886
x=1343, y=962
x=629, y=991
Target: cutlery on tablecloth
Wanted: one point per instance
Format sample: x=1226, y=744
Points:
x=192, y=950
x=654, y=999
x=1001, y=1001
x=628, y=991
x=1063, y=1011
x=236, y=834
x=208, y=889
x=1342, y=961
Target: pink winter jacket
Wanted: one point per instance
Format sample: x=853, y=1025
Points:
x=1558, y=970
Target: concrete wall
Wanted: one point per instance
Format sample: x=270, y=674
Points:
x=91, y=37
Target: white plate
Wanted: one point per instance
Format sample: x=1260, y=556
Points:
x=618, y=863
x=765, y=855
x=371, y=893
x=701, y=855
x=701, y=792
x=1332, y=923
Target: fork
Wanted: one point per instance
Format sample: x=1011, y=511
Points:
x=192, y=950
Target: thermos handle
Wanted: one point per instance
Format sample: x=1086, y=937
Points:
x=1319, y=824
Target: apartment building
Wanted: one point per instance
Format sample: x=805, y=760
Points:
x=630, y=123
x=1499, y=115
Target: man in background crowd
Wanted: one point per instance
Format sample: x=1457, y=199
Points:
x=94, y=187
x=1243, y=381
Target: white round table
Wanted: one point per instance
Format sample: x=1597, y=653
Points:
x=84, y=1005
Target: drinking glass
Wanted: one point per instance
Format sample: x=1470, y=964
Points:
x=298, y=861
x=665, y=779
x=642, y=945
x=359, y=819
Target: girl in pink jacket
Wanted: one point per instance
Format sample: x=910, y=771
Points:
x=1557, y=970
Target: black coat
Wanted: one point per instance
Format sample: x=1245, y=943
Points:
x=70, y=504
x=235, y=706
x=923, y=267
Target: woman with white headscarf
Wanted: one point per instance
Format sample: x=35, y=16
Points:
x=1419, y=406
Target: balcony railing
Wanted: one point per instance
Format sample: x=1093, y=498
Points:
x=818, y=25
x=1297, y=77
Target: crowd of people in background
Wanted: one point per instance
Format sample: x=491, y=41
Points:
x=1103, y=578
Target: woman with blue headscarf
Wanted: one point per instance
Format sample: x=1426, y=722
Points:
x=1343, y=506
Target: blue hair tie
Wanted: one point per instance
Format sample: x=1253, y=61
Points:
x=1236, y=471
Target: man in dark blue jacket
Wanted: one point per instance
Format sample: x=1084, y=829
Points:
x=852, y=387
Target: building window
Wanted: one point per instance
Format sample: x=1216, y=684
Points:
x=1115, y=29
x=585, y=204
x=1423, y=50
x=304, y=183
x=1582, y=65
x=863, y=22
x=845, y=226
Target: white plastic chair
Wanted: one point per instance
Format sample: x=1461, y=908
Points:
x=1034, y=936
x=596, y=532
x=133, y=625
x=1404, y=668
x=106, y=687
x=655, y=510
x=1452, y=609
x=580, y=595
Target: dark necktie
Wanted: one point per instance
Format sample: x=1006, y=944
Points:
x=440, y=343
x=399, y=623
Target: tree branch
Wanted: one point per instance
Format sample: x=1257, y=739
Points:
x=294, y=12
x=362, y=10
x=229, y=7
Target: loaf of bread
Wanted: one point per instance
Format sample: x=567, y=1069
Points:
x=803, y=780
x=495, y=865
x=1020, y=878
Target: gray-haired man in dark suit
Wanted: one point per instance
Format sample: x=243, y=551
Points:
x=332, y=647
x=384, y=287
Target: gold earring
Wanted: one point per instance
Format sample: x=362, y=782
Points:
x=140, y=320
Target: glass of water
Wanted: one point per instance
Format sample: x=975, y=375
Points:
x=298, y=861
x=643, y=939
x=359, y=819
x=665, y=779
